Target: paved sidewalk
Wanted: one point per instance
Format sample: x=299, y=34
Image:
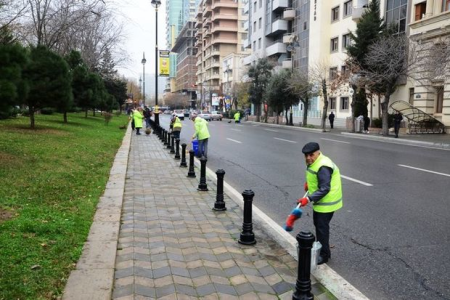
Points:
x=172, y=245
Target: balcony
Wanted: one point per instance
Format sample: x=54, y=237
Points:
x=207, y=11
x=248, y=60
x=289, y=14
x=224, y=28
x=225, y=16
x=247, y=43
x=280, y=5
x=198, y=24
x=277, y=47
x=287, y=64
x=215, y=76
x=215, y=51
x=215, y=64
x=357, y=13
x=218, y=4
x=279, y=26
x=288, y=38
x=246, y=25
x=246, y=7
x=224, y=40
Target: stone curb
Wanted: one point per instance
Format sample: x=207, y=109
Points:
x=398, y=141
x=93, y=277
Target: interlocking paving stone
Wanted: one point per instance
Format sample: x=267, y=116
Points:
x=206, y=289
x=145, y=291
x=172, y=251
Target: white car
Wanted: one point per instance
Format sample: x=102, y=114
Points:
x=205, y=115
x=216, y=115
x=180, y=114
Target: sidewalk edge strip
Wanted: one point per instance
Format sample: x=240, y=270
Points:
x=96, y=280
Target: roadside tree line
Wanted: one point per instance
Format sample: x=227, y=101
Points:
x=59, y=54
x=379, y=61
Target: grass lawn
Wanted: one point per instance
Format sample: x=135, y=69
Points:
x=50, y=181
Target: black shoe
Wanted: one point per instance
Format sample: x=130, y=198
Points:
x=322, y=260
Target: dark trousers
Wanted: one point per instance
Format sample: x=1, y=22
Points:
x=322, y=224
x=396, y=129
x=331, y=124
x=176, y=134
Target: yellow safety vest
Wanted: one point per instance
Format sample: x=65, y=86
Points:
x=177, y=123
x=333, y=200
x=201, y=129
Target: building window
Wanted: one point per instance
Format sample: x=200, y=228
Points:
x=333, y=73
x=346, y=41
x=254, y=6
x=333, y=103
x=439, y=99
x=445, y=5
x=259, y=43
x=305, y=25
x=396, y=14
x=335, y=14
x=260, y=3
x=420, y=11
x=244, y=36
x=345, y=71
x=254, y=26
x=411, y=96
x=348, y=8
x=334, y=45
x=254, y=45
x=344, y=103
x=259, y=23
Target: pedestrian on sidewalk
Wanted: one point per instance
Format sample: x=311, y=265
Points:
x=323, y=184
x=138, y=119
x=147, y=116
x=397, y=121
x=132, y=110
x=331, y=119
x=202, y=134
x=175, y=125
x=366, y=124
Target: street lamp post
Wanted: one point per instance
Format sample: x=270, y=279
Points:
x=143, y=61
x=291, y=48
x=156, y=4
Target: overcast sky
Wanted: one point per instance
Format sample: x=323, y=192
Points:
x=138, y=17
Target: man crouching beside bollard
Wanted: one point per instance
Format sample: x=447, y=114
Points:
x=323, y=183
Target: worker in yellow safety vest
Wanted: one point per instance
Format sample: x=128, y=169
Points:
x=323, y=184
x=176, y=126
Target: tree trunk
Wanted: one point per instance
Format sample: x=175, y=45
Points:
x=86, y=113
x=325, y=105
x=287, y=120
x=291, y=121
x=384, y=115
x=352, y=105
x=258, y=112
x=65, y=117
x=266, y=113
x=31, y=111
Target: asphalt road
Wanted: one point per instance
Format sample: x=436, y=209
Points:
x=390, y=240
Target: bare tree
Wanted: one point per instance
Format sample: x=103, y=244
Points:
x=299, y=84
x=389, y=62
x=88, y=26
x=175, y=100
x=328, y=81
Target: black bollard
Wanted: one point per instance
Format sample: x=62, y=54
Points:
x=172, y=145
x=219, y=205
x=202, y=184
x=177, y=149
x=160, y=133
x=247, y=236
x=168, y=140
x=302, y=291
x=183, y=156
x=165, y=137
x=191, y=172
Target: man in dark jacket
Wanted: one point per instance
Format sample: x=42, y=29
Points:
x=331, y=118
x=397, y=120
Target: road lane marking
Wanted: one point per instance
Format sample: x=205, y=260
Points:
x=234, y=141
x=424, y=170
x=286, y=140
x=271, y=130
x=335, y=141
x=255, y=125
x=356, y=180
x=235, y=129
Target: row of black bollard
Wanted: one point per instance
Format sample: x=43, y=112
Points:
x=305, y=240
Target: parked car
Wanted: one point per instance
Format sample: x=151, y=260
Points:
x=186, y=113
x=205, y=115
x=216, y=115
x=180, y=114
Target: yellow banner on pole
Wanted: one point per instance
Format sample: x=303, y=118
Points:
x=164, y=63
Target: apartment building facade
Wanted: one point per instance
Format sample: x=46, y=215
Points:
x=219, y=33
x=186, y=68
